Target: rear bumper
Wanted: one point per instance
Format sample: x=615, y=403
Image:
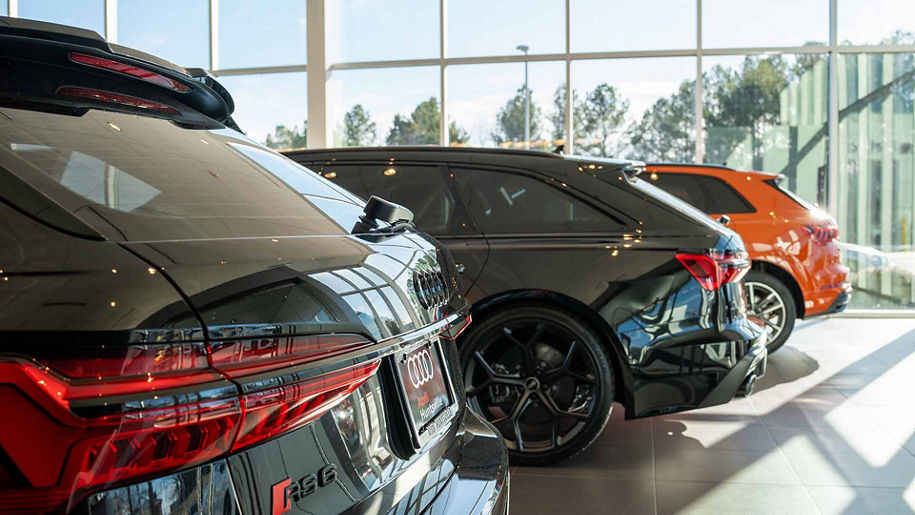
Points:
x=838, y=304
x=472, y=477
x=824, y=287
x=483, y=468
x=696, y=375
x=753, y=363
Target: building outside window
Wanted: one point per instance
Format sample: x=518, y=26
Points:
x=713, y=86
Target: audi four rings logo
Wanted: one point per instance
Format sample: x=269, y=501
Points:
x=430, y=289
x=420, y=368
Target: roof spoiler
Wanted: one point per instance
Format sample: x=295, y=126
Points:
x=205, y=94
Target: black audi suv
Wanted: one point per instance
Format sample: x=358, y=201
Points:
x=588, y=285
x=190, y=322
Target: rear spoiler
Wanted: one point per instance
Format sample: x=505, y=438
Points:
x=196, y=88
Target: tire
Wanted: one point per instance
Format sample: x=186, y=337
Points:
x=541, y=376
x=770, y=304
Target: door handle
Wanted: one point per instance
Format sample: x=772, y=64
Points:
x=460, y=268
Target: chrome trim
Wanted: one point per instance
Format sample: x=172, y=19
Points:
x=430, y=288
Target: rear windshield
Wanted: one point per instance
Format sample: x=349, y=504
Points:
x=152, y=179
x=671, y=201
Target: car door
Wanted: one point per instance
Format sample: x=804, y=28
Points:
x=428, y=191
x=541, y=234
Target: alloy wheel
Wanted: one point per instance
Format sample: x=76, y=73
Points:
x=767, y=308
x=535, y=382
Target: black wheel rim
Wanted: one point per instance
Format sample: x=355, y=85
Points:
x=535, y=381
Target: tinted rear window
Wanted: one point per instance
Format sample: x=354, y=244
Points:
x=710, y=194
x=683, y=208
x=152, y=179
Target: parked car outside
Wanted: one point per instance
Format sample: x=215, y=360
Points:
x=190, y=322
x=589, y=285
x=797, y=269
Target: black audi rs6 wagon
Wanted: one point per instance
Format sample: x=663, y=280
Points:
x=588, y=286
x=192, y=323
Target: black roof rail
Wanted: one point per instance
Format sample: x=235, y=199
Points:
x=694, y=165
x=710, y=165
x=429, y=148
x=212, y=100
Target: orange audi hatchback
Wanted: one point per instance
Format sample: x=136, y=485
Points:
x=796, y=272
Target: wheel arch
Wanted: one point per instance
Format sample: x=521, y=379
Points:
x=787, y=279
x=622, y=372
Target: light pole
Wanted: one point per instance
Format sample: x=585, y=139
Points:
x=527, y=100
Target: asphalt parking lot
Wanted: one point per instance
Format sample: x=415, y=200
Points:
x=830, y=429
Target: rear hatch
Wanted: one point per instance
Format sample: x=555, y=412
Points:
x=713, y=254
x=664, y=214
x=295, y=368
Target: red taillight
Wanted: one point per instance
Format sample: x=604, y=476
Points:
x=127, y=361
x=716, y=268
x=153, y=441
x=131, y=70
x=239, y=358
x=274, y=411
x=89, y=418
x=823, y=232
x=115, y=98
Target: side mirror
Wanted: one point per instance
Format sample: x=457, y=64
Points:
x=378, y=208
x=724, y=219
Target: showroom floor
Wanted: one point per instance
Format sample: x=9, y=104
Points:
x=830, y=429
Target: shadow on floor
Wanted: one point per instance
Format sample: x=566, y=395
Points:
x=741, y=461
x=786, y=366
x=853, y=468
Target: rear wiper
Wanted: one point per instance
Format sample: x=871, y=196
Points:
x=397, y=217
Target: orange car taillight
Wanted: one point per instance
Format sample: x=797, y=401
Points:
x=823, y=232
x=94, y=417
x=130, y=70
x=716, y=268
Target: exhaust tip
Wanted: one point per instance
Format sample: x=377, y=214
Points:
x=749, y=384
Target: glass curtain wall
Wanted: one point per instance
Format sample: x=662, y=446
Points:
x=669, y=80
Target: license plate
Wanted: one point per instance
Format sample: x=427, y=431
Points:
x=427, y=390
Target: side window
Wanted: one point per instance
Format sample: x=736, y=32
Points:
x=728, y=199
x=346, y=176
x=685, y=187
x=709, y=194
x=422, y=188
x=510, y=203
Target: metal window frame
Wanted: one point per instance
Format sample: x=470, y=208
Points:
x=320, y=70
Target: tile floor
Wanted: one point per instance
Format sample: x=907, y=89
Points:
x=830, y=429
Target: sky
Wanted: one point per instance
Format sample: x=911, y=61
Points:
x=273, y=33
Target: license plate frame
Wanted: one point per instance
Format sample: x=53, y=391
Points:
x=423, y=428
